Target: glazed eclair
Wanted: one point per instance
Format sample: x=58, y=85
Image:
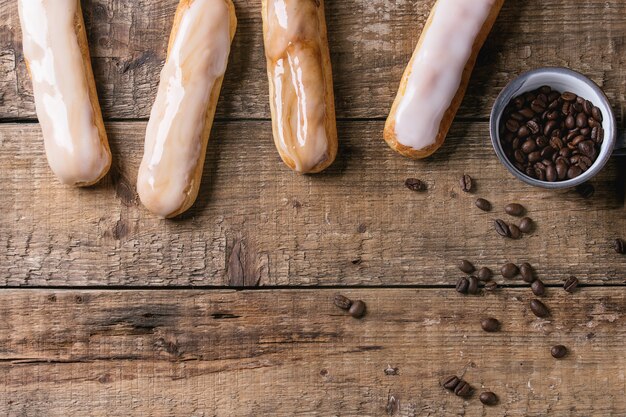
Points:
x=57, y=58
x=435, y=81
x=302, y=101
x=182, y=115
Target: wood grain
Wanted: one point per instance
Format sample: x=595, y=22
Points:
x=286, y=353
x=370, y=42
x=257, y=223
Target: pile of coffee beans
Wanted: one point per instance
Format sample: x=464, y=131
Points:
x=551, y=136
x=512, y=230
x=458, y=386
x=355, y=308
x=471, y=283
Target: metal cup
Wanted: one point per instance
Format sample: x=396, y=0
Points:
x=560, y=79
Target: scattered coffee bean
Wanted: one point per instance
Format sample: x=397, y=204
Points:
x=538, y=288
x=570, y=284
x=357, y=309
x=551, y=136
x=414, y=184
x=484, y=274
x=586, y=190
x=514, y=209
x=466, y=183
x=342, y=302
x=483, y=204
x=463, y=389
x=509, y=270
x=466, y=266
x=527, y=272
x=462, y=285
x=502, y=228
x=539, y=309
x=526, y=225
x=488, y=398
x=491, y=286
x=490, y=324
x=515, y=232
x=620, y=246
x=472, y=287
x=451, y=382
x=558, y=351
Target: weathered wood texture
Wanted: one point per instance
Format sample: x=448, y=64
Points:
x=287, y=353
x=370, y=41
x=257, y=222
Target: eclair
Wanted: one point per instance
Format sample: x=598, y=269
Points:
x=182, y=115
x=436, y=78
x=66, y=101
x=302, y=101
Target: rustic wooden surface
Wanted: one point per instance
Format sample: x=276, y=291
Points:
x=82, y=342
x=286, y=353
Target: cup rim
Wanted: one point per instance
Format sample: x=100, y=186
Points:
x=513, y=88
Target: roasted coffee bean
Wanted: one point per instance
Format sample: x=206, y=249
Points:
x=561, y=169
x=527, y=113
x=620, y=246
x=466, y=266
x=570, y=284
x=357, y=309
x=484, y=274
x=538, y=106
x=587, y=107
x=414, y=184
x=526, y=225
x=581, y=120
x=466, y=183
x=472, y=287
x=574, y=172
x=533, y=127
x=488, y=398
x=527, y=273
x=587, y=148
x=539, y=309
x=502, y=228
x=549, y=127
x=491, y=286
x=515, y=232
x=538, y=288
x=519, y=156
x=523, y=131
x=597, y=114
x=542, y=141
x=490, y=324
x=462, y=285
x=483, y=204
x=567, y=96
x=586, y=190
x=529, y=146
x=556, y=142
x=551, y=173
x=514, y=209
x=558, y=351
x=342, y=302
x=512, y=125
x=463, y=389
x=509, y=270
x=451, y=382
x=570, y=122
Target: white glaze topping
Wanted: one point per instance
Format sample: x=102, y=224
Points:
x=298, y=87
x=174, y=137
x=437, y=69
x=74, y=149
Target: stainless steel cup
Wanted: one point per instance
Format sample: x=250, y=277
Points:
x=560, y=79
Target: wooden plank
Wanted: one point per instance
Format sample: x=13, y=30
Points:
x=286, y=353
x=370, y=40
x=354, y=224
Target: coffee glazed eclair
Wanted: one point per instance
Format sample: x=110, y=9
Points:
x=302, y=101
x=182, y=114
x=435, y=81
x=57, y=59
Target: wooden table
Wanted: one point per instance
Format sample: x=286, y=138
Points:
x=106, y=310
